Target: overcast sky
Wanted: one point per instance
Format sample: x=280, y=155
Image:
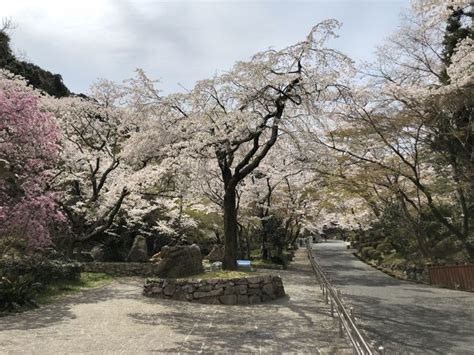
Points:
x=180, y=42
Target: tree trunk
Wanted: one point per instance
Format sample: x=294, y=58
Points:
x=230, y=230
x=247, y=246
x=264, y=252
x=240, y=241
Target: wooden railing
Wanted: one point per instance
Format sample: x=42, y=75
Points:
x=457, y=277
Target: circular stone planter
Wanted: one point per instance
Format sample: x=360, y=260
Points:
x=245, y=290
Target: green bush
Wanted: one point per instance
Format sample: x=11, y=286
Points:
x=365, y=251
x=384, y=248
x=17, y=292
x=375, y=255
x=42, y=270
x=280, y=260
x=370, y=253
x=21, y=279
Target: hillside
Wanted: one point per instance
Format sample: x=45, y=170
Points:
x=36, y=76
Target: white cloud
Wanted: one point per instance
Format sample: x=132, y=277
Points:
x=180, y=41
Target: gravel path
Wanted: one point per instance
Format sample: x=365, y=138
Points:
x=118, y=319
x=404, y=317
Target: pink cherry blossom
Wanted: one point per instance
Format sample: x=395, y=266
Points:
x=28, y=154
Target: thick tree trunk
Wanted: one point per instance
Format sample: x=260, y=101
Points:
x=230, y=230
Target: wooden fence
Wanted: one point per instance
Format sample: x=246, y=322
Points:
x=457, y=277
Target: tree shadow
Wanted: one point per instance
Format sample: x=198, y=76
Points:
x=300, y=323
x=60, y=310
x=241, y=329
x=404, y=317
x=405, y=327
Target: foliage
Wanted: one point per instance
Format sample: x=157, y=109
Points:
x=402, y=141
x=29, y=152
x=230, y=123
x=17, y=292
x=91, y=194
x=278, y=147
x=42, y=270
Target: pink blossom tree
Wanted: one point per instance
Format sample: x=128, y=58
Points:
x=29, y=152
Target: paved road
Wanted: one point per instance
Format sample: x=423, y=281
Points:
x=404, y=317
x=117, y=319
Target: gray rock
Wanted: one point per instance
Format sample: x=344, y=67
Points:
x=279, y=292
x=254, y=291
x=212, y=293
x=255, y=279
x=254, y=299
x=139, y=251
x=179, y=296
x=243, y=281
x=266, y=298
x=268, y=290
x=231, y=290
x=216, y=254
x=188, y=288
x=228, y=299
x=205, y=288
x=156, y=289
x=242, y=299
x=169, y=290
x=179, y=261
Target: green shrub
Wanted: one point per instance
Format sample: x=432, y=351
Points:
x=370, y=253
x=365, y=251
x=21, y=279
x=280, y=260
x=384, y=248
x=375, y=255
x=42, y=270
x=17, y=292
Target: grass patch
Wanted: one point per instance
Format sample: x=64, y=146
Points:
x=87, y=280
x=224, y=275
x=267, y=264
x=256, y=262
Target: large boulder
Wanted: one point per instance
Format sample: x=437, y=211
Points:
x=156, y=258
x=216, y=254
x=98, y=253
x=179, y=261
x=139, y=251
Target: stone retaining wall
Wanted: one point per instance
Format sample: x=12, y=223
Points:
x=121, y=269
x=248, y=290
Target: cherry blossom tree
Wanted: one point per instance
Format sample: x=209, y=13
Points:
x=29, y=154
x=409, y=120
x=236, y=118
x=90, y=178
